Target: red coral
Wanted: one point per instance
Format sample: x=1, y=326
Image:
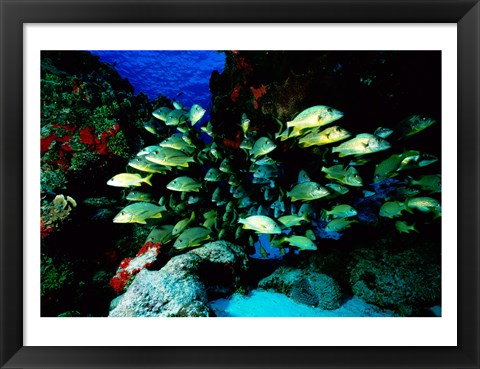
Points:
x=101, y=145
x=148, y=246
x=45, y=143
x=62, y=163
x=124, y=263
x=236, y=92
x=87, y=136
x=65, y=138
x=242, y=63
x=66, y=146
x=257, y=93
x=45, y=231
x=120, y=280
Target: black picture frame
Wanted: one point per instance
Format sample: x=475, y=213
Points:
x=15, y=13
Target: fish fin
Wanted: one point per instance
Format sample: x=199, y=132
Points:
x=280, y=123
x=325, y=214
x=407, y=208
x=147, y=179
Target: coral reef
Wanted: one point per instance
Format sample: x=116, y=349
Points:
x=53, y=278
x=265, y=176
x=167, y=292
x=182, y=287
x=405, y=281
x=90, y=123
x=87, y=114
x=304, y=286
x=54, y=214
x=131, y=266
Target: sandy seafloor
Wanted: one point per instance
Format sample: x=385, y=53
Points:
x=271, y=304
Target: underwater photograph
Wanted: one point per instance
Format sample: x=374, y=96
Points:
x=213, y=183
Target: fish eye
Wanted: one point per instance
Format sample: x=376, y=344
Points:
x=329, y=110
x=123, y=213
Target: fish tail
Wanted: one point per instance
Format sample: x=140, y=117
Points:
x=147, y=179
x=407, y=208
x=279, y=122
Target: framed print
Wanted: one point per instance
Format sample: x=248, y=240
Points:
x=295, y=183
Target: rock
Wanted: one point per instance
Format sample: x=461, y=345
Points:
x=305, y=286
x=407, y=282
x=166, y=292
x=182, y=287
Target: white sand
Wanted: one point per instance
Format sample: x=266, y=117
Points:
x=270, y=304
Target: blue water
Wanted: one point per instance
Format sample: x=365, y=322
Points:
x=167, y=72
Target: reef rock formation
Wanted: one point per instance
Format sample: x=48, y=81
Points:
x=305, y=286
x=91, y=122
x=407, y=282
x=185, y=284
